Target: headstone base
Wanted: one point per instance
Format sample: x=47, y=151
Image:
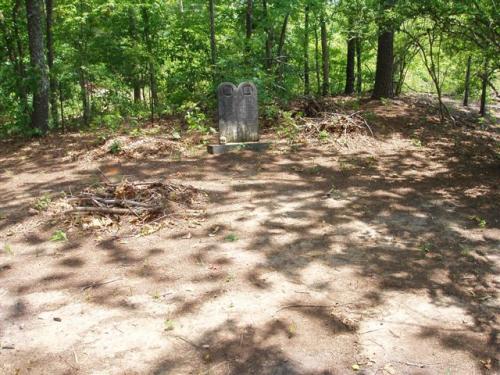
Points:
x=252, y=146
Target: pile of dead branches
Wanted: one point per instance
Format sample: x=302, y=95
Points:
x=143, y=200
x=335, y=123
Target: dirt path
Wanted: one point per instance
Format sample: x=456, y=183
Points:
x=378, y=259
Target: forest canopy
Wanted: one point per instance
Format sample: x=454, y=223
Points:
x=73, y=63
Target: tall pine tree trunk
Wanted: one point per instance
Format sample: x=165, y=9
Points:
x=307, y=83
x=269, y=37
x=467, y=82
x=213, y=45
x=49, y=11
x=317, y=64
x=350, y=77
x=21, y=69
x=385, y=59
x=280, y=55
x=325, y=57
x=359, y=71
x=484, y=89
x=40, y=112
x=249, y=22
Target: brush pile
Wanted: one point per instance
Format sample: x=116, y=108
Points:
x=142, y=200
x=335, y=123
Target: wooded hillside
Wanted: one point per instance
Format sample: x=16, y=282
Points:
x=72, y=63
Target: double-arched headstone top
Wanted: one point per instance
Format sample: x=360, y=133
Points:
x=238, y=112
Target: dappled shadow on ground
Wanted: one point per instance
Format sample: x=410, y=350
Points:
x=405, y=220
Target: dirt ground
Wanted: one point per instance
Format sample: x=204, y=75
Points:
x=375, y=257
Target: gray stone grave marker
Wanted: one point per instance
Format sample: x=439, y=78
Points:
x=238, y=118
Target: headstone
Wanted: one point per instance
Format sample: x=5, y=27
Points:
x=238, y=119
x=238, y=112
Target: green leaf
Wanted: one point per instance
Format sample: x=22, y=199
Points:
x=8, y=249
x=59, y=236
x=231, y=238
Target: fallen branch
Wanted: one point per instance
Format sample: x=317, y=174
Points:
x=102, y=210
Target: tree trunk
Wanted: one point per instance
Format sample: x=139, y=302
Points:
x=359, y=71
x=61, y=101
x=154, y=101
x=50, y=61
x=135, y=77
x=317, y=61
x=350, y=77
x=467, y=82
x=249, y=21
x=307, y=83
x=325, y=57
x=21, y=69
x=40, y=112
x=281, y=43
x=269, y=38
x=385, y=60
x=84, y=93
x=484, y=87
x=213, y=45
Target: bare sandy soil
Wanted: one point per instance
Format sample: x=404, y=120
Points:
x=377, y=258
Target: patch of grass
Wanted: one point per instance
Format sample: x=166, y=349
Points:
x=323, y=135
x=115, y=148
x=43, y=202
x=314, y=170
x=464, y=250
x=231, y=238
x=480, y=222
x=291, y=330
x=169, y=325
x=156, y=296
x=59, y=236
x=425, y=247
x=385, y=101
x=416, y=142
x=8, y=249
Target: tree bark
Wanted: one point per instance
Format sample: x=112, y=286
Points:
x=269, y=38
x=317, y=61
x=82, y=78
x=467, y=82
x=153, y=87
x=307, y=83
x=350, y=76
x=213, y=45
x=385, y=59
x=40, y=112
x=21, y=69
x=359, y=70
x=325, y=57
x=484, y=87
x=249, y=21
x=281, y=43
x=49, y=11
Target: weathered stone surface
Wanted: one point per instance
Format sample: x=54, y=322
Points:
x=238, y=112
x=251, y=146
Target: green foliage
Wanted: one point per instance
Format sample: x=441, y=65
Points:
x=287, y=126
x=480, y=222
x=8, y=249
x=59, y=236
x=195, y=119
x=231, y=238
x=169, y=325
x=42, y=203
x=145, y=59
x=115, y=148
